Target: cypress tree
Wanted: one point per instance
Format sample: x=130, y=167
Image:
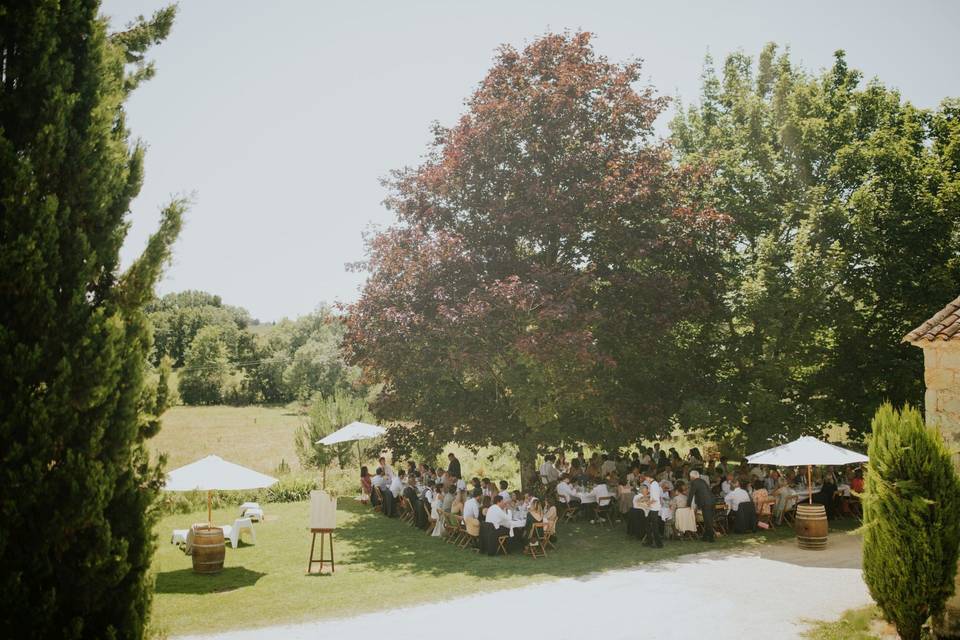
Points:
x=75, y=524
x=911, y=513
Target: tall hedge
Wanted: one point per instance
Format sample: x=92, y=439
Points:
x=911, y=512
x=76, y=484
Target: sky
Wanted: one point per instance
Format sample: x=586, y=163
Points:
x=280, y=118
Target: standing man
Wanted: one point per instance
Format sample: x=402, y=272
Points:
x=653, y=515
x=700, y=496
x=453, y=470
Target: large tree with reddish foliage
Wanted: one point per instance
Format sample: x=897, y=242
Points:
x=545, y=272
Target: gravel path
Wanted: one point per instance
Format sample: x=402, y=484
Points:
x=769, y=593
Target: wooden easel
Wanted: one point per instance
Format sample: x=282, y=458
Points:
x=322, y=559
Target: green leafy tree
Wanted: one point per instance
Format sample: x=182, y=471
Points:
x=842, y=200
x=911, y=520
x=206, y=370
x=326, y=415
x=177, y=317
x=532, y=245
x=76, y=536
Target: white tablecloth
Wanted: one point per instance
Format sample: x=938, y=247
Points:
x=586, y=498
x=516, y=524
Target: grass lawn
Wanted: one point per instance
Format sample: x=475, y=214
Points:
x=856, y=624
x=381, y=564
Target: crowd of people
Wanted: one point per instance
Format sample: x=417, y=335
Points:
x=437, y=498
x=660, y=482
x=649, y=488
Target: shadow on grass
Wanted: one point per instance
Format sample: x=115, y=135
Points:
x=186, y=581
x=384, y=544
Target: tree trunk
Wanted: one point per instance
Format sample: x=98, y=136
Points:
x=527, y=455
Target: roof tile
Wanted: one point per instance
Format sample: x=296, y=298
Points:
x=942, y=326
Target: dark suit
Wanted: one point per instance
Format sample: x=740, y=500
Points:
x=454, y=469
x=700, y=491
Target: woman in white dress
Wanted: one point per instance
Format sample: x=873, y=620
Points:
x=435, y=509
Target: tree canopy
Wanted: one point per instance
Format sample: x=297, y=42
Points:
x=547, y=206
x=843, y=204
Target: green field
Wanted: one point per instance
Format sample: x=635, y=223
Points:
x=256, y=437
x=388, y=562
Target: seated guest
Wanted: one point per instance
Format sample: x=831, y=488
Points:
x=565, y=491
x=534, y=512
x=475, y=484
x=448, y=497
x=762, y=501
x=484, y=506
x=772, y=480
x=561, y=464
x=593, y=469
x=550, y=517
x=504, y=494
x=412, y=469
x=436, y=514
x=608, y=466
x=633, y=478
x=826, y=496
x=487, y=487
x=366, y=484
x=856, y=484
x=413, y=500
x=396, y=484
x=499, y=525
x=601, y=492
x=458, y=501
x=379, y=481
x=737, y=496
x=471, y=508
x=728, y=485
x=426, y=476
x=624, y=497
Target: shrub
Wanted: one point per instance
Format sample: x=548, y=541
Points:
x=911, y=520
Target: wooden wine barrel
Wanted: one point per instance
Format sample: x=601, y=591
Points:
x=811, y=526
x=208, y=550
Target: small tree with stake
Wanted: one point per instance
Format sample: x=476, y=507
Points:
x=326, y=415
x=911, y=520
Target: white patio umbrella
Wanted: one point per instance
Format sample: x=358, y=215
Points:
x=807, y=451
x=354, y=431
x=213, y=472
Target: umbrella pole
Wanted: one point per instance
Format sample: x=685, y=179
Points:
x=810, y=482
x=359, y=458
x=209, y=508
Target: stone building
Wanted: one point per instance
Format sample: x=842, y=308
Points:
x=939, y=337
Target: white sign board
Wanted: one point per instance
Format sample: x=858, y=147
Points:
x=323, y=510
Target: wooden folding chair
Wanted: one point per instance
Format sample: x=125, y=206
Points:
x=720, y=519
x=501, y=544
x=379, y=505
x=406, y=511
x=603, y=510
x=536, y=539
x=569, y=511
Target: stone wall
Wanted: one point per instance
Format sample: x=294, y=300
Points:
x=941, y=360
